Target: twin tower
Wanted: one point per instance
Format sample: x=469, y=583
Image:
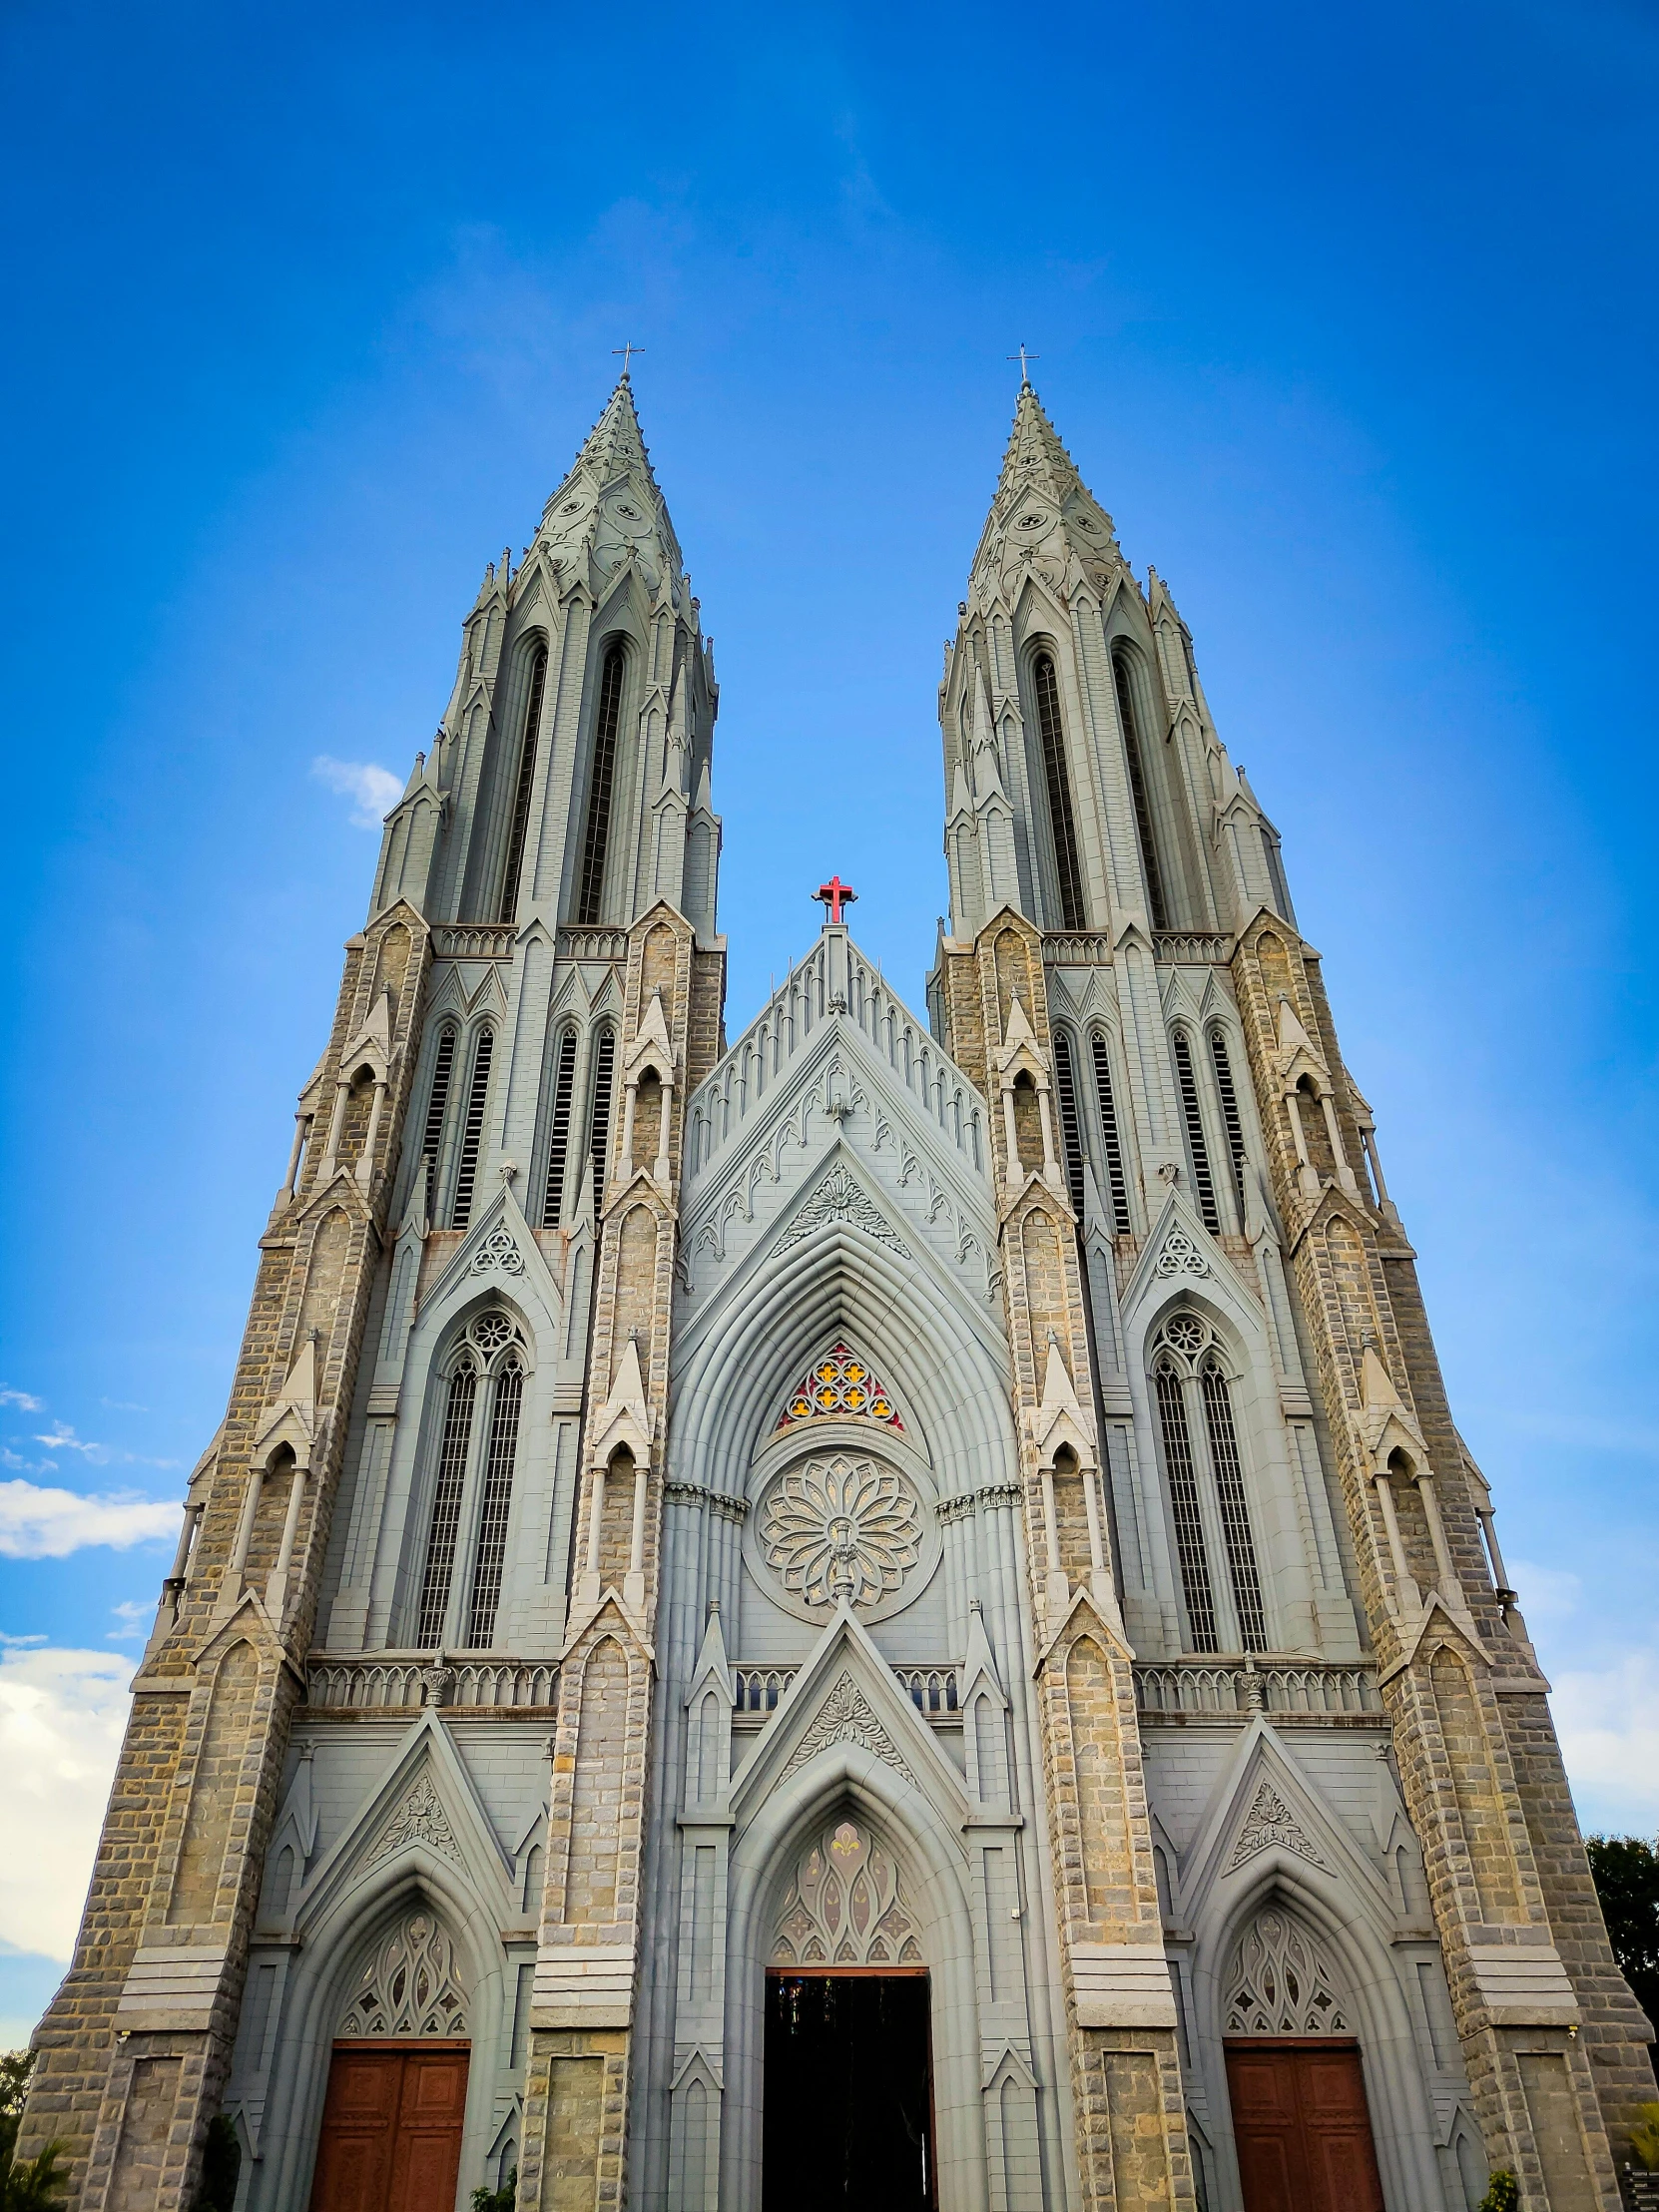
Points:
x=887, y=1614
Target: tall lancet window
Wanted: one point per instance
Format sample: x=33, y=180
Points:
x=520, y=822
x=437, y=1105
x=454, y=1443
x=1065, y=1086
x=502, y=1450
x=1229, y=1115
x=606, y=724
x=472, y=1129
x=598, y=1118
x=1109, y=1140
x=558, y=1142
x=472, y=1486
x=1157, y=903
x=1205, y=1473
x=1067, y=868
x=1204, y=1187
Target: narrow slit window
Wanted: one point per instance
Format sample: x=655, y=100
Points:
x=1067, y=869
x=472, y=1129
x=499, y=1456
x=1156, y=902
x=1109, y=1136
x=1229, y=1115
x=558, y=1144
x=522, y=794
x=598, y=1123
x=1070, y=1132
x=437, y=1105
x=1235, y=1517
x=1183, y=1495
x=1202, y=1185
x=446, y=1506
x=606, y=723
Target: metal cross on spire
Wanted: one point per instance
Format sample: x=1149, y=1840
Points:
x=628, y=349
x=836, y=894
x=1023, y=358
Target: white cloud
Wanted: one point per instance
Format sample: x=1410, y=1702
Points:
x=1545, y=1593
x=21, y=1400
x=134, y=1616
x=1609, y=1723
x=374, y=791
x=63, y=1439
x=62, y=1715
x=40, y=1524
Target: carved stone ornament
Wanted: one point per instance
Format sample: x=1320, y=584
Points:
x=846, y=1907
x=845, y=1716
x=409, y=1985
x=1280, y=1981
x=1271, y=1825
x=836, y=1199
x=420, y=1819
x=840, y=1526
x=1180, y=1255
x=498, y=1251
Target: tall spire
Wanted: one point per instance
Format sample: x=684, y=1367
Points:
x=608, y=503
x=1041, y=507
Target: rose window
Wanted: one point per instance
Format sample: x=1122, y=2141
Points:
x=841, y=1527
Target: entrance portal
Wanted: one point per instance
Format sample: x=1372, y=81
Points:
x=849, y=2094
x=392, y=2128
x=1302, y=2126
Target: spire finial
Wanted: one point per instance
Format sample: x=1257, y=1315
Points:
x=1024, y=359
x=834, y=894
x=626, y=349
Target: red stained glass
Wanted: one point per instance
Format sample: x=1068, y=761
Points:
x=840, y=1384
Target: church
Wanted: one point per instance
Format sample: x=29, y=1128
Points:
x=889, y=1612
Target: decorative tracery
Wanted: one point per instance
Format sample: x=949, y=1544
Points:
x=1280, y=1981
x=1194, y=1399
x=836, y=1386
x=845, y=1907
x=409, y=1985
x=841, y=1527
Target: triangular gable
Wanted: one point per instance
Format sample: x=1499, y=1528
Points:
x=846, y=1695
x=1180, y=1251
x=1265, y=1812
x=423, y=1808
x=1104, y=1622
x=499, y=1248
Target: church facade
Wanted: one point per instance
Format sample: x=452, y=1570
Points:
x=890, y=1611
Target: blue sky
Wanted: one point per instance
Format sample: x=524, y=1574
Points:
x=1347, y=314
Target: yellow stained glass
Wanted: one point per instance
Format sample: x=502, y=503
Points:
x=840, y=1384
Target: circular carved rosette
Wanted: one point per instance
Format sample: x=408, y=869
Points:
x=842, y=1527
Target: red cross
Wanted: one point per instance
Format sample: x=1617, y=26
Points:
x=836, y=894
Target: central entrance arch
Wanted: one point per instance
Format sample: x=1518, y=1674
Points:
x=849, y=2091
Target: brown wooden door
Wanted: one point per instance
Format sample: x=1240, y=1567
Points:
x=1302, y=2127
x=392, y=2128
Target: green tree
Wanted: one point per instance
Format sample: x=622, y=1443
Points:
x=220, y=2165
x=1626, y=1872
x=15, y=2068
x=35, y=2184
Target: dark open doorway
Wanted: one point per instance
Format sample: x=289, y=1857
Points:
x=849, y=2094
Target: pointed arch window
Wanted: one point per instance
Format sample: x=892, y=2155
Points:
x=599, y=1116
x=558, y=1141
x=1062, y=824
x=1205, y=1473
x=1071, y=1135
x=1204, y=1187
x=1157, y=903
x=437, y=1105
x=1230, y=1117
x=606, y=725
x=472, y=1486
x=520, y=820
x=1109, y=1142
x=838, y=1386
x=472, y=1129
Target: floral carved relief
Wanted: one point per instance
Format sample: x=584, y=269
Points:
x=845, y=1907
x=841, y=1527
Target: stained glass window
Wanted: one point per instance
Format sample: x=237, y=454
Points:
x=838, y=1385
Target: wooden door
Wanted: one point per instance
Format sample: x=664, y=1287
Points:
x=1302, y=2126
x=392, y=2128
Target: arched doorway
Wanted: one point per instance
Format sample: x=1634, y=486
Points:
x=396, y=2101
x=849, y=2091
x=1301, y=2122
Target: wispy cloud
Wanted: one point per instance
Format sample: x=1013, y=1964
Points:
x=373, y=791
x=63, y=1439
x=62, y=1714
x=134, y=1617
x=38, y=1522
x=1609, y=1723
x=22, y=1399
